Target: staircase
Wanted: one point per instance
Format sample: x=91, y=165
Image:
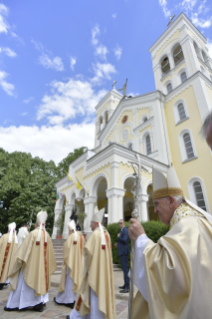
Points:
x=58, y=251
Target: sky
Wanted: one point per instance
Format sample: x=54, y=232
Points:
x=58, y=59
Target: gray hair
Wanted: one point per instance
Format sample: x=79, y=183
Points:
x=179, y=200
x=207, y=122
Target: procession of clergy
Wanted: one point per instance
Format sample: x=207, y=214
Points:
x=173, y=276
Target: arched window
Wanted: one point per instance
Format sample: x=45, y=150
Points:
x=195, y=47
x=148, y=145
x=165, y=66
x=106, y=116
x=188, y=145
x=199, y=195
x=183, y=77
x=100, y=123
x=211, y=77
x=204, y=56
x=144, y=119
x=130, y=146
x=178, y=55
x=169, y=88
x=181, y=111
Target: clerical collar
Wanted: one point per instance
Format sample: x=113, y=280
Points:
x=183, y=210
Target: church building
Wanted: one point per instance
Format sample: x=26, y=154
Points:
x=162, y=127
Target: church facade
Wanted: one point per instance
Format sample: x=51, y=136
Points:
x=161, y=126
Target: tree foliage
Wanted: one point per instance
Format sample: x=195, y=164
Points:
x=64, y=164
x=27, y=185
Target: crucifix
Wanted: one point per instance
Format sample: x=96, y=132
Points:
x=170, y=20
x=124, y=89
x=136, y=188
x=114, y=85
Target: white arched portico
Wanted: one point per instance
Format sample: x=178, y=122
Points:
x=68, y=211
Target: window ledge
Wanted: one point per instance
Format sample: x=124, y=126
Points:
x=179, y=122
x=190, y=159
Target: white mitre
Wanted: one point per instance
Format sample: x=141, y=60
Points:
x=97, y=218
x=11, y=229
x=72, y=226
x=41, y=219
x=170, y=186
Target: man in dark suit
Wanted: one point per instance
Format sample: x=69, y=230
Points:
x=123, y=251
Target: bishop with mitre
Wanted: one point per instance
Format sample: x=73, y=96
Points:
x=174, y=275
x=72, y=268
x=96, y=298
x=8, y=248
x=34, y=263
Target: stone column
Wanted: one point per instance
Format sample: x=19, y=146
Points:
x=115, y=204
x=158, y=76
x=90, y=203
x=57, y=213
x=190, y=55
x=171, y=61
x=68, y=210
x=143, y=211
x=115, y=166
x=137, y=141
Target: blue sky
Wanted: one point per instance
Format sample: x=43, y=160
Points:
x=59, y=58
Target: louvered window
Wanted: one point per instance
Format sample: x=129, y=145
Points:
x=183, y=77
x=169, y=88
x=199, y=195
x=148, y=145
x=188, y=145
x=211, y=77
x=181, y=111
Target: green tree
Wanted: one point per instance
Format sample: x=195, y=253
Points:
x=64, y=164
x=27, y=185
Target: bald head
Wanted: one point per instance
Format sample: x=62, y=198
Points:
x=206, y=130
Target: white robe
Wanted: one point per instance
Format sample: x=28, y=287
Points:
x=23, y=232
x=95, y=313
x=67, y=296
x=139, y=269
x=24, y=296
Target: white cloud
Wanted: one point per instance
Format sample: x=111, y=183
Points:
x=188, y=5
x=24, y=113
x=118, y=52
x=95, y=31
x=73, y=61
x=54, y=63
x=199, y=22
x=9, y=52
x=46, y=140
x=102, y=71
x=68, y=100
x=114, y=15
x=6, y=86
x=166, y=11
x=29, y=99
x=4, y=26
x=45, y=60
x=101, y=51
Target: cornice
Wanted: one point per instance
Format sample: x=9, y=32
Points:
x=171, y=28
x=107, y=97
x=128, y=104
x=125, y=153
x=115, y=191
x=63, y=181
x=180, y=88
x=144, y=125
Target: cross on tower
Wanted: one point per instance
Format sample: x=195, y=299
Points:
x=170, y=20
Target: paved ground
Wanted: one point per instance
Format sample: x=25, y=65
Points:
x=55, y=311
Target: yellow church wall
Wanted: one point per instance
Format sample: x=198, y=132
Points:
x=209, y=90
x=130, y=137
x=102, y=109
x=79, y=174
x=175, y=36
x=142, y=112
x=177, y=69
x=130, y=119
x=200, y=167
x=166, y=78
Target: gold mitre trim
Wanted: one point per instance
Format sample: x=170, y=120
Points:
x=163, y=192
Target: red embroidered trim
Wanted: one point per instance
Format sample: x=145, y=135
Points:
x=78, y=305
x=37, y=243
x=103, y=247
x=45, y=261
x=75, y=242
x=5, y=258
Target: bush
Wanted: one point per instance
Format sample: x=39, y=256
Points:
x=154, y=230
